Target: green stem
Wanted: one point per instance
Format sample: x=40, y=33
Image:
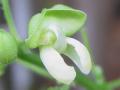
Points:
x=86, y=82
x=8, y=16
x=87, y=44
x=31, y=60
x=38, y=69
x=114, y=84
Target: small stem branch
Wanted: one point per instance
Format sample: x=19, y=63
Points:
x=31, y=60
x=114, y=84
x=86, y=42
x=86, y=82
x=38, y=69
x=8, y=16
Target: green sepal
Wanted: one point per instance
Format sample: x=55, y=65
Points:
x=8, y=47
x=68, y=19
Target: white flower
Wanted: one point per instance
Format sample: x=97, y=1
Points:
x=56, y=65
x=75, y=50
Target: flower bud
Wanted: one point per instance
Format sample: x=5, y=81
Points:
x=8, y=47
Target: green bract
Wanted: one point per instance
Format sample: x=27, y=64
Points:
x=8, y=47
x=69, y=20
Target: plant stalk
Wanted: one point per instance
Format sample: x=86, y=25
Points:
x=9, y=19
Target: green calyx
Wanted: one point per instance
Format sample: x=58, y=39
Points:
x=68, y=19
x=45, y=37
x=8, y=47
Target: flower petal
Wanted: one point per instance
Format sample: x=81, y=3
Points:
x=71, y=20
x=56, y=66
x=60, y=44
x=79, y=55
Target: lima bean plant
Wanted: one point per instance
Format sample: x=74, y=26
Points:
x=51, y=31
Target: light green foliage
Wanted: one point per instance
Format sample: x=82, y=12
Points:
x=69, y=20
x=8, y=47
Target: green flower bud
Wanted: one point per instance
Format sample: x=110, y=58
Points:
x=8, y=47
